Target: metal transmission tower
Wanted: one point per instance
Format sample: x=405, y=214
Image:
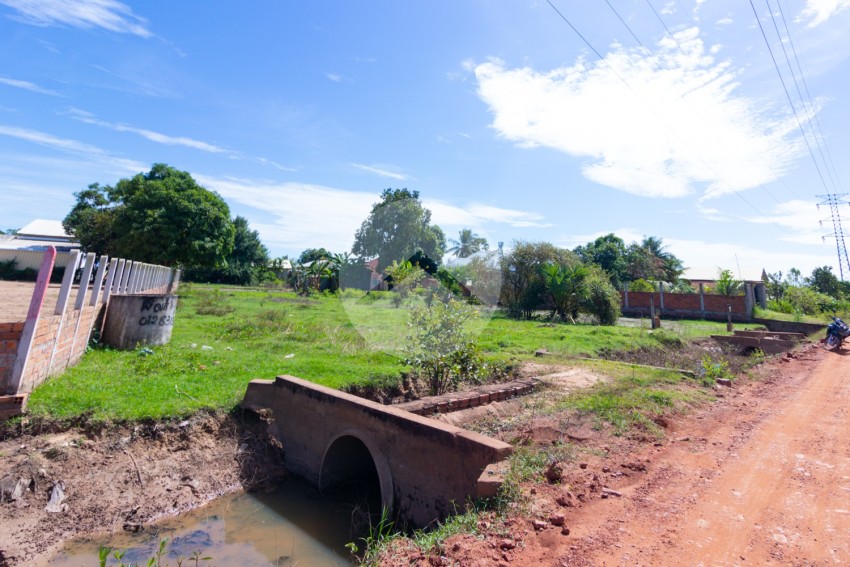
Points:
x=833, y=201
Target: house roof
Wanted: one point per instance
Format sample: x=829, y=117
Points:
x=43, y=228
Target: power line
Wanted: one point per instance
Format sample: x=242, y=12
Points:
x=808, y=94
x=788, y=95
x=800, y=93
x=833, y=201
x=657, y=116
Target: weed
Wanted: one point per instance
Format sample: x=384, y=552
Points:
x=212, y=302
x=713, y=370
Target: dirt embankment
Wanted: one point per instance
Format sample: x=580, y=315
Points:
x=122, y=478
x=759, y=477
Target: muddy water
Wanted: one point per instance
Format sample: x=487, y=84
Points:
x=293, y=525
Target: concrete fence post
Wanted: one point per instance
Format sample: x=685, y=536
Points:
x=83, y=290
x=749, y=300
x=125, y=277
x=626, y=295
x=67, y=282
x=28, y=334
x=702, y=298
x=661, y=294
x=98, y=279
x=110, y=280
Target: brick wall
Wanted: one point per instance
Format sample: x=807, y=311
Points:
x=10, y=335
x=685, y=305
x=58, y=344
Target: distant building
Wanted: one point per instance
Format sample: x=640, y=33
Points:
x=27, y=247
x=38, y=235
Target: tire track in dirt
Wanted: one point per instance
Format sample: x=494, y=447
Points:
x=777, y=495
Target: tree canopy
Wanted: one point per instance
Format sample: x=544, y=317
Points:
x=397, y=228
x=162, y=217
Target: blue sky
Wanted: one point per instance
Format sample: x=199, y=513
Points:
x=498, y=113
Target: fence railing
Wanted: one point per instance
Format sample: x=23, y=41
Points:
x=55, y=336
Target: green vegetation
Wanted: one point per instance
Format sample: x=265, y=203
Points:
x=332, y=339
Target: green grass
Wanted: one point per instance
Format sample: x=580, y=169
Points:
x=633, y=396
x=258, y=333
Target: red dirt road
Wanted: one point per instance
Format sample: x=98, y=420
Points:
x=765, y=480
x=759, y=477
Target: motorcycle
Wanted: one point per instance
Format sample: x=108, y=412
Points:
x=836, y=332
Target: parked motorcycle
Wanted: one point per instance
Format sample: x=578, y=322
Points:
x=836, y=332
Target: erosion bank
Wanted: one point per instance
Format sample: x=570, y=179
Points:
x=124, y=477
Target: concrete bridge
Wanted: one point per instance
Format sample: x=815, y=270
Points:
x=426, y=469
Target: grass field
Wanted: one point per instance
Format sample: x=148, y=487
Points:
x=224, y=337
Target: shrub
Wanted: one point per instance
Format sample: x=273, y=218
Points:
x=641, y=285
x=602, y=301
x=440, y=345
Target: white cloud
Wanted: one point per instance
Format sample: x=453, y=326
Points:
x=168, y=140
x=309, y=216
x=382, y=170
x=817, y=12
x=725, y=21
x=746, y=261
x=333, y=77
x=70, y=146
x=476, y=215
x=799, y=220
x=26, y=85
x=697, y=134
x=86, y=14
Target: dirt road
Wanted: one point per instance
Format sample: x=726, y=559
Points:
x=761, y=476
x=764, y=480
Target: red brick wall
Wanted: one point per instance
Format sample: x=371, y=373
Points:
x=10, y=335
x=65, y=345
x=685, y=304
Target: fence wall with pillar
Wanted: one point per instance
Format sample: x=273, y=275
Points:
x=699, y=305
x=55, y=336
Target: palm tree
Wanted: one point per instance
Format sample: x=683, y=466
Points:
x=467, y=244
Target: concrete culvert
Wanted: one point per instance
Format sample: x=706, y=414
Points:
x=350, y=475
x=133, y=320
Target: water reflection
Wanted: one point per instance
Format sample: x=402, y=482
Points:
x=294, y=525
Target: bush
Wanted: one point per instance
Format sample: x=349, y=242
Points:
x=602, y=300
x=641, y=285
x=441, y=347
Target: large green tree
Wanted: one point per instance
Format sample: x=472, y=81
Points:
x=397, y=228
x=162, y=217
x=609, y=253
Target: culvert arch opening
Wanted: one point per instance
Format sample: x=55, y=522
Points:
x=353, y=475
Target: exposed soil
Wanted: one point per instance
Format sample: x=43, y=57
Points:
x=16, y=299
x=760, y=477
x=123, y=478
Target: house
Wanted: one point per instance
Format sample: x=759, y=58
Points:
x=38, y=235
x=27, y=246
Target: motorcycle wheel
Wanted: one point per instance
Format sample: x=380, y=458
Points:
x=832, y=342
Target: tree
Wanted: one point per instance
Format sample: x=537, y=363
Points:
x=609, y=253
x=467, y=244
x=567, y=288
x=824, y=281
x=726, y=283
x=249, y=258
x=161, y=217
x=313, y=254
x=523, y=288
x=650, y=260
x=398, y=227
